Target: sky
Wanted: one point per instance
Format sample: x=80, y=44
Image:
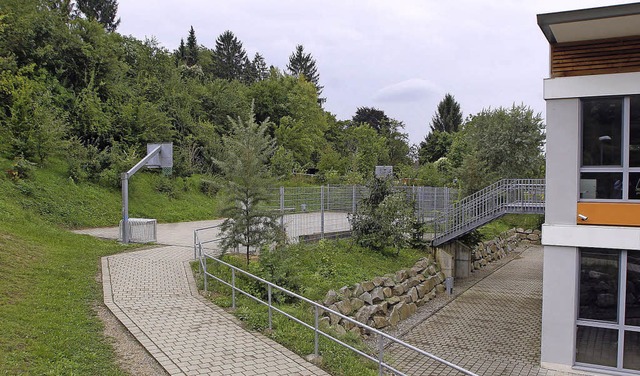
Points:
x=401, y=56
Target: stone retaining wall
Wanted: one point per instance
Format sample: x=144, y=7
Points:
x=386, y=300
x=495, y=249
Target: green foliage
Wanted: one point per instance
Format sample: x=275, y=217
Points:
x=30, y=124
x=384, y=219
x=103, y=11
x=435, y=146
x=191, y=49
x=498, y=144
x=244, y=166
x=229, y=57
x=448, y=117
x=303, y=65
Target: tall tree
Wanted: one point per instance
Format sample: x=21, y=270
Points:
x=502, y=142
x=259, y=66
x=303, y=64
x=191, y=52
x=245, y=167
x=229, y=57
x=103, y=11
x=448, y=117
x=181, y=52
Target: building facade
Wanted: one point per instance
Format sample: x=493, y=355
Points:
x=591, y=235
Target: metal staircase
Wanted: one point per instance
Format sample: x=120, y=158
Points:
x=507, y=196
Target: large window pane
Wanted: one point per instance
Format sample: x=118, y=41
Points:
x=599, y=285
x=632, y=306
x=634, y=133
x=631, y=358
x=597, y=346
x=602, y=185
x=602, y=132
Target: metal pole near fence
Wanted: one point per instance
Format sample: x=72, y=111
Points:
x=322, y=211
x=282, y=208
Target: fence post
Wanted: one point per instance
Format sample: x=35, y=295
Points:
x=380, y=354
x=205, y=272
x=353, y=199
x=269, y=297
x=315, y=339
x=233, y=288
x=322, y=211
x=282, y=208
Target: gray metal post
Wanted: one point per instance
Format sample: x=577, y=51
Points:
x=125, y=207
x=322, y=211
x=353, y=199
x=269, y=297
x=315, y=339
x=282, y=208
x=205, y=274
x=380, y=354
x=233, y=288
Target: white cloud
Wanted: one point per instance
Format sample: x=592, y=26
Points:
x=411, y=90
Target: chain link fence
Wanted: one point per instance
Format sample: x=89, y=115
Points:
x=312, y=213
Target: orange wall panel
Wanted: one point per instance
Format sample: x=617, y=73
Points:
x=612, y=214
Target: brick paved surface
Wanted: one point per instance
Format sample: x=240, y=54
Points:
x=493, y=328
x=152, y=292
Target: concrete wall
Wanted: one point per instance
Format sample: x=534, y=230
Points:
x=562, y=161
x=559, y=306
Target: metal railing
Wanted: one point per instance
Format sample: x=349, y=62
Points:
x=383, y=339
x=507, y=196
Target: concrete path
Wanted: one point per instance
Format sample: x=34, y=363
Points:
x=153, y=293
x=493, y=328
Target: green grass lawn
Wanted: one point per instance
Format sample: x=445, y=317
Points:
x=310, y=270
x=48, y=275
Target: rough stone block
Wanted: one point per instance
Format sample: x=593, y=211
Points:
x=367, y=286
x=330, y=298
x=377, y=295
x=367, y=298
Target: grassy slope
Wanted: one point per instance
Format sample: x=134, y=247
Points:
x=48, y=275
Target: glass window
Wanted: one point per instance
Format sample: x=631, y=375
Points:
x=602, y=132
x=597, y=346
x=601, y=185
x=631, y=357
x=632, y=304
x=599, y=285
x=634, y=132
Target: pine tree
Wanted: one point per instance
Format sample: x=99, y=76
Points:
x=448, y=117
x=191, y=52
x=248, y=148
x=103, y=11
x=260, y=67
x=181, y=52
x=303, y=64
x=229, y=57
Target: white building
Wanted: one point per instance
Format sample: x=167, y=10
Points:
x=591, y=235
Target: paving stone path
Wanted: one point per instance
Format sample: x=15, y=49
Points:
x=493, y=328
x=153, y=293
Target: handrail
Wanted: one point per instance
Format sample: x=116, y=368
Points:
x=383, y=338
x=502, y=197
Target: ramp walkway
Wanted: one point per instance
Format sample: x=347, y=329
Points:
x=153, y=293
x=507, y=196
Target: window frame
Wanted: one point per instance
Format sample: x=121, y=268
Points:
x=624, y=169
x=620, y=323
